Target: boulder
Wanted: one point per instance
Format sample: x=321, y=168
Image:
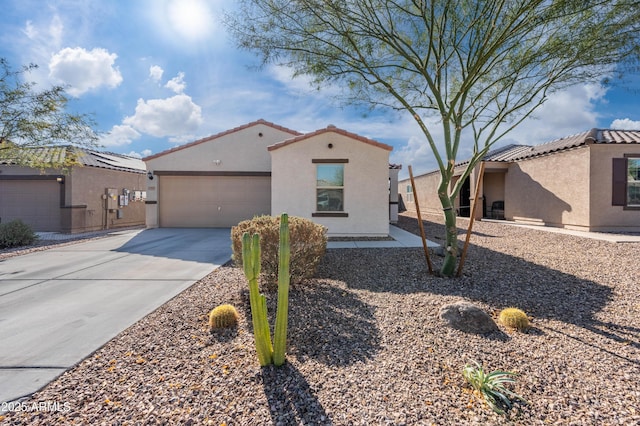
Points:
x=468, y=317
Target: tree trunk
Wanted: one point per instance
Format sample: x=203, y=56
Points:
x=448, y=268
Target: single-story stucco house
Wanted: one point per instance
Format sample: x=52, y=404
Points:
x=101, y=191
x=589, y=181
x=335, y=178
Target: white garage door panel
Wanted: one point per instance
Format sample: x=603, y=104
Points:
x=35, y=202
x=212, y=201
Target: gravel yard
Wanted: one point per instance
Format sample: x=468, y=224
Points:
x=367, y=347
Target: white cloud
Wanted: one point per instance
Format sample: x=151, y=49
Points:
x=302, y=84
x=34, y=44
x=30, y=30
x=56, y=30
x=135, y=154
x=178, y=140
x=625, y=124
x=177, y=84
x=415, y=153
x=173, y=116
x=84, y=70
x=155, y=73
x=52, y=36
x=565, y=113
x=120, y=135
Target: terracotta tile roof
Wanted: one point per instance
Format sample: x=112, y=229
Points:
x=330, y=129
x=86, y=157
x=593, y=136
x=513, y=152
x=44, y=154
x=219, y=135
x=618, y=136
x=505, y=153
x=502, y=154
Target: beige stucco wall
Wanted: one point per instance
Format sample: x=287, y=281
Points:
x=84, y=207
x=551, y=189
x=244, y=150
x=571, y=189
x=426, y=190
x=366, y=183
x=604, y=216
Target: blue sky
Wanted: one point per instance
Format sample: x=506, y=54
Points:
x=158, y=73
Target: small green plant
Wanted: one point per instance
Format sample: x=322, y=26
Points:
x=16, y=233
x=514, y=318
x=268, y=353
x=492, y=386
x=223, y=316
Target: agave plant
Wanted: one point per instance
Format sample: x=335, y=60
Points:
x=492, y=386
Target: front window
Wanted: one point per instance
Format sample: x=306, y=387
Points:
x=330, y=188
x=633, y=182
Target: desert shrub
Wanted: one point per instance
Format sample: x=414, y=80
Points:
x=223, y=316
x=308, y=242
x=492, y=387
x=514, y=318
x=16, y=233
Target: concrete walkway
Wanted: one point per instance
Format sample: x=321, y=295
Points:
x=603, y=236
x=59, y=305
x=401, y=238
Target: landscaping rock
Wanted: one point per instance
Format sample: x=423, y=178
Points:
x=366, y=345
x=468, y=317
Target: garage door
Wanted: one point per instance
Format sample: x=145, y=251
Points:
x=212, y=201
x=35, y=202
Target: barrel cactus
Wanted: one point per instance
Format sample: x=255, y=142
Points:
x=223, y=316
x=514, y=318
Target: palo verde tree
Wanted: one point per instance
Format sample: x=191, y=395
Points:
x=31, y=119
x=479, y=67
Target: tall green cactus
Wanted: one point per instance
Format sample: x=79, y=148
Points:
x=251, y=266
x=268, y=354
x=282, y=314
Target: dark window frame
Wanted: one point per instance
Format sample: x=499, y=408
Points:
x=620, y=182
x=330, y=161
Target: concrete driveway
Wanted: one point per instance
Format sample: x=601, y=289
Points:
x=60, y=305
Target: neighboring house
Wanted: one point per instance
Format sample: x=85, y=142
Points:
x=589, y=181
x=333, y=177
x=102, y=191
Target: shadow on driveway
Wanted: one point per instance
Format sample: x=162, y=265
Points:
x=182, y=243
